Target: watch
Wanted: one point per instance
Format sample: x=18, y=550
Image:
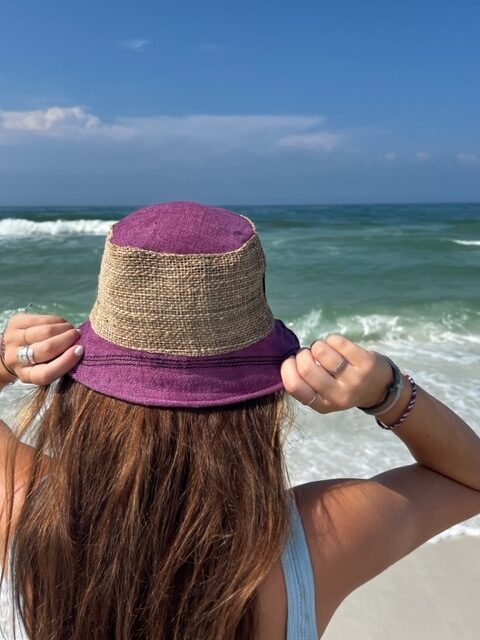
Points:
x=393, y=393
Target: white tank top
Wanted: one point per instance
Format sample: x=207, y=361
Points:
x=7, y=624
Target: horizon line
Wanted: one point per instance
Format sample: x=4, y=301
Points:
x=289, y=204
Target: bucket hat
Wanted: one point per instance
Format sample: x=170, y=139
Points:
x=181, y=317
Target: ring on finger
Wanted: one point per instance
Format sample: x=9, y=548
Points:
x=22, y=355
x=309, y=404
x=31, y=355
x=25, y=355
x=340, y=367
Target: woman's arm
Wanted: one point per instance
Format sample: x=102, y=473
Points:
x=53, y=340
x=356, y=528
x=436, y=436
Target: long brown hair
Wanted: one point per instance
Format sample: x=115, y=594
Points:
x=153, y=523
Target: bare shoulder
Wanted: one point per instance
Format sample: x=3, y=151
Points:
x=356, y=528
x=22, y=471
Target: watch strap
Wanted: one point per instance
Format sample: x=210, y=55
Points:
x=393, y=393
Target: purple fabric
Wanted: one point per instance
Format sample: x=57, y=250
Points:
x=183, y=227
x=181, y=381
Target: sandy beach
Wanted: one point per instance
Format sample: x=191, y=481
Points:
x=432, y=594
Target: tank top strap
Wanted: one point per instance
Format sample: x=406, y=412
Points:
x=299, y=581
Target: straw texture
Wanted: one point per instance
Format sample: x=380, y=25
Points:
x=190, y=304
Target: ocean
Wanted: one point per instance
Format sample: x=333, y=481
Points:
x=399, y=279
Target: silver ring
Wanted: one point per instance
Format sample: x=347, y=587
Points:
x=309, y=404
x=339, y=367
x=22, y=355
x=30, y=355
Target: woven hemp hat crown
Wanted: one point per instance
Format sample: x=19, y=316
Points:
x=198, y=304
x=181, y=287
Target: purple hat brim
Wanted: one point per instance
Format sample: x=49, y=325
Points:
x=158, y=379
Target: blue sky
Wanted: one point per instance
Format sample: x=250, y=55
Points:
x=239, y=103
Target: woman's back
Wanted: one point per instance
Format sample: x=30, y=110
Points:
x=346, y=541
x=309, y=581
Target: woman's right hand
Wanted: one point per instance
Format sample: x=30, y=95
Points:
x=52, y=340
x=362, y=383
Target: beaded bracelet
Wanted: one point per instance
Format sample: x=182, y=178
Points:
x=408, y=409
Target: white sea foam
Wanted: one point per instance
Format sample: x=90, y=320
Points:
x=472, y=242
x=20, y=227
x=446, y=329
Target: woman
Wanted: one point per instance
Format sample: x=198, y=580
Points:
x=152, y=500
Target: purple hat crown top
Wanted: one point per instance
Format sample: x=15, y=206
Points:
x=183, y=227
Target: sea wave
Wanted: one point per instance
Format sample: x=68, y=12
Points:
x=21, y=227
x=460, y=328
x=467, y=242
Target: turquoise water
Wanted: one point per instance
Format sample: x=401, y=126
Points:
x=348, y=261
x=400, y=279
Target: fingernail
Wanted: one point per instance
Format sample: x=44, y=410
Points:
x=316, y=340
x=79, y=350
x=78, y=330
x=302, y=348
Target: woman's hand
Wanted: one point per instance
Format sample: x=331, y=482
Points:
x=53, y=341
x=363, y=382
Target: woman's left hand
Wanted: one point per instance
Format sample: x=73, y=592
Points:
x=52, y=339
x=309, y=375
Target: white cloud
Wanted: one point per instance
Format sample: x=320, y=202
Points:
x=391, y=156
x=48, y=119
x=423, y=156
x=468, y=158
x=209, y=47
x=232, y=130
x=315, y=141
x=58, y=122
x=179, y=135
x=138, y=45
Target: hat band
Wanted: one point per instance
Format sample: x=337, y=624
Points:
x=182, y=304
